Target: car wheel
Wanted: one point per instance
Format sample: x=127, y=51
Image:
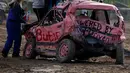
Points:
x=120, y=53
x=65, y=51
x=29, y=49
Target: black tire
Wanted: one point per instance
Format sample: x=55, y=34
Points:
x=120, y=53
x=65, y=51
x=30, y=48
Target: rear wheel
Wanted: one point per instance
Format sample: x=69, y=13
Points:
x=65, y=51
x=120, y=53
x=29, y=49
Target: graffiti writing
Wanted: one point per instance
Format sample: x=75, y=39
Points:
x=102, y=37
x=108, y=29
x=48, y=36
x=95, y=25
x=90, y=24
x=109, y=39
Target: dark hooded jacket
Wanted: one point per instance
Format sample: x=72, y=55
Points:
x=16, y=13
x=14, y=20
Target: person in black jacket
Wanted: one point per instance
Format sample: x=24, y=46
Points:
x=13, y=27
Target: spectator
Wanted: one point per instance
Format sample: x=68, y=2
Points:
x=53, y=3
x=39, y=8
x=13, y=27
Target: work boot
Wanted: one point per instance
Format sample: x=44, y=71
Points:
x=4, y=54
x=15, y=55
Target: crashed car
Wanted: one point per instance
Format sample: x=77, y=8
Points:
x=77, y=30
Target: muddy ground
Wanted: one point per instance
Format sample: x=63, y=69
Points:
x=94, y=65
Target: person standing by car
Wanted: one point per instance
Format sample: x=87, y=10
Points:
x=53, y=3
x=13, y=27
x=39, y=8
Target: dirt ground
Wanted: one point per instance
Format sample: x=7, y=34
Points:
x=94, y=65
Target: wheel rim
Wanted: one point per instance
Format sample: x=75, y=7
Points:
x=63, y=50
x=28, y=50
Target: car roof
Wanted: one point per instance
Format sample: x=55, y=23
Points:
x=63, y=4
x=77, y=4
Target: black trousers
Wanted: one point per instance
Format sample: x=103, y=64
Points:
x=40, y=12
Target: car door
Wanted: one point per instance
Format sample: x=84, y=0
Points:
x=51, y=28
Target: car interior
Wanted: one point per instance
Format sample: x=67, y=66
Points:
x=52, y=17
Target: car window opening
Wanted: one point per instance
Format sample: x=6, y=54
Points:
x=53, y=17
x=104, y=16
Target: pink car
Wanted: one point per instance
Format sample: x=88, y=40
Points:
x=77, y=30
